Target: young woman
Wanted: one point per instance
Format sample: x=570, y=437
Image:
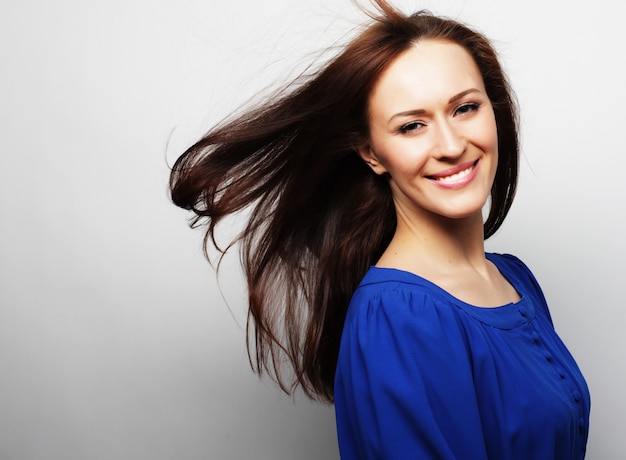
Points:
x=364, y=250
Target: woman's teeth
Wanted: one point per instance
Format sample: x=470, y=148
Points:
x=455, y=177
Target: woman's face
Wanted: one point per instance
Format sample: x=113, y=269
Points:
x=433, y=131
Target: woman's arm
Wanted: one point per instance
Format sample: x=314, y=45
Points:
x=404, y=386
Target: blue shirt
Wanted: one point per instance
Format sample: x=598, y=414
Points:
x=423, y=375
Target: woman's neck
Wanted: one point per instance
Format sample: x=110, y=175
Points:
x=437, y=244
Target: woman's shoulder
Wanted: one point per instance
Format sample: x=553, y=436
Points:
x=506, y=261
x=395, y=293
x=383, y=281
x=516, y=271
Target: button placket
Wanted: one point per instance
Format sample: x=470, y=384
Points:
x=560, y=372
x=562, y=378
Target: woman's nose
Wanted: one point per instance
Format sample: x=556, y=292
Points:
x=450, y=143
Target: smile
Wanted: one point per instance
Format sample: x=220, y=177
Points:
x=457, y=177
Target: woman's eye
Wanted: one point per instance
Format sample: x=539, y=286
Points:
x=467, y=108
x=411, y=127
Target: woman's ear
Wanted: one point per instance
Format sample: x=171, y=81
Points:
x=368, y=155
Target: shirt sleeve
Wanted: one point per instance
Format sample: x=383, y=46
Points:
x=404, y=386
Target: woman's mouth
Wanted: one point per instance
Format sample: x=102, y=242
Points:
x=456, y=177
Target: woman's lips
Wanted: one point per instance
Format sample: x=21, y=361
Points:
x=456, y=177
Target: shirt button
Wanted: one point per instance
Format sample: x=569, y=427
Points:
x=576, y=396
x=548, y=357
x=523, y=313
x=535, y=337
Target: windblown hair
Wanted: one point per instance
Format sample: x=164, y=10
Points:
x=319, y=217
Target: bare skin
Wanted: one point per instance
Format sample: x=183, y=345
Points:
x=452, y=258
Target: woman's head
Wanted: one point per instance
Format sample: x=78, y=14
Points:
x=355, y=72
x=432, y=132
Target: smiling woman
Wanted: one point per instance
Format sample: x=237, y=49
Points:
x=364, y=250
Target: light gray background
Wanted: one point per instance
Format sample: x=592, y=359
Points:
x=115, y=341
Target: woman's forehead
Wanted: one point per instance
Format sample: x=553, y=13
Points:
x=427, y=72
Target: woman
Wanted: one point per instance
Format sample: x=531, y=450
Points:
x=364, y=250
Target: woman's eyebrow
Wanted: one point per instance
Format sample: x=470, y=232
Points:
x=456, y=97
x=452, y=100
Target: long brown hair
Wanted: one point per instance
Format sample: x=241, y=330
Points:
x=319, y=218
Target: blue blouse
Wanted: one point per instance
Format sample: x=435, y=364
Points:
x=423, y=375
